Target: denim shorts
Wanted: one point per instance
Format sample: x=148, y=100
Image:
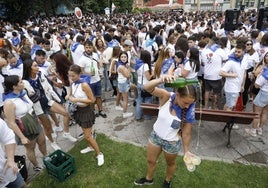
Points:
x=18, y=182
x=96, y=89
x=261, y=99
x=231, y=99
x=124, y=87
x=171, y=147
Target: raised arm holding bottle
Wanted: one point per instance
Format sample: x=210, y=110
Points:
x=176, y=114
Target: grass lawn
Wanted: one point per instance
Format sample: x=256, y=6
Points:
x=125, y=163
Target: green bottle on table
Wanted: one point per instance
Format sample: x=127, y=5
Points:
x=180, y=82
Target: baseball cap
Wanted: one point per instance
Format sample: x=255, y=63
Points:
x=128, y=42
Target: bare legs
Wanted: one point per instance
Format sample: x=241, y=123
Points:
x=30, y=148
x=153, y=153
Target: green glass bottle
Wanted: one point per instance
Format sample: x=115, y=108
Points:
x=180, y=82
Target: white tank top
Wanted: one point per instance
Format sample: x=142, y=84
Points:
x=78, y=92
x=22, y=107
x=167, y=125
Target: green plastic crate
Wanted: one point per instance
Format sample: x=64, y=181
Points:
x=60, y=165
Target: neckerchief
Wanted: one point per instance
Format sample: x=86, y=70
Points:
x=149, y=42
x=235, y=59
x=35, y=82
x=139, y=63
x=120, y=63
x=19, y=62
x=213, y=47
x=12, y=95
x=15, y=41
x=113, y=43
x=74, y=46
x=78, y=81
x=265, y=73
x=176, y=108
x=35, y=48
x=88, y=55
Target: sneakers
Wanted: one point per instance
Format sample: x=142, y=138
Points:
x=81, y=135
x=55, y=146
x=235, y=126
x=100, y=159
x=37, y=168
x=259, y=131
x=166, y=184
x=54, y=135
x=119, y=108
x=72, y=122
x=102, y=114
x=251, y=132
x=69, y=137
x=127, y=114
x=86, y=150
x=143, y=181
x=58, y=129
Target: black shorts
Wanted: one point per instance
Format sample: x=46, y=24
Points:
x=215, y=85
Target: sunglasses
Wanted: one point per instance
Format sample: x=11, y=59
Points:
x=249, y=44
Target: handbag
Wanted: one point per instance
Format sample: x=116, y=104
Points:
x=239, y=103
x=36, y=97
x=144, y=93
x=21, y=163
x=113, y=76
x=71, y=107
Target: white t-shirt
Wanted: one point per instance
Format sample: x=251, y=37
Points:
x=213, y=62
x=141, y=74
x=86, y=62
x=252, y=60
x=233, y=85
x=192, y=74
x=263, y=83
x=77, y=53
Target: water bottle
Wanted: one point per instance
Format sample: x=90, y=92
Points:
x=48, y=159
x=92, y=69
x=180, y=82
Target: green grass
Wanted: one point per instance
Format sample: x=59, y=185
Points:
x=125, y=163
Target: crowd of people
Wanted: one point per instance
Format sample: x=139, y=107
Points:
x=49, y=62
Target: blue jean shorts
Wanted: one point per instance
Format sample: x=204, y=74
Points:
x=171, y=147
x=124, y=87
x=231, y=99
x=96, y=89
x=261, y=99
x=18, y=182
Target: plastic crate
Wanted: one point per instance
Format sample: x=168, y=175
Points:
x=60, y=165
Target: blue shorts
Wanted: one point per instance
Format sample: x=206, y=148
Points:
x=171, y=147
x=17, y=183
x=261, y=100
x=96, y=89
x=124, y=87
x=231, y=99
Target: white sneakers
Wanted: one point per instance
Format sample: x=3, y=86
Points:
x=69, y=137
x=119, y=108
x=55, y=146
x=58, y=129
x=235, y=126
x=127, y=114
x=86, y=150
x=100, y=159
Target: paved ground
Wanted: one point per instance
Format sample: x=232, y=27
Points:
x=208, y=140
